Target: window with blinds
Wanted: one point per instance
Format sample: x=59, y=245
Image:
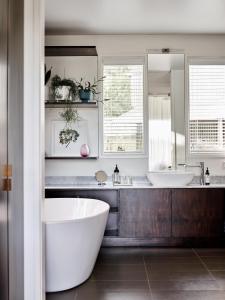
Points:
x=207, y=108
x=123, y=113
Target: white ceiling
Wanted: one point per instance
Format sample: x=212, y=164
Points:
x=134, y=16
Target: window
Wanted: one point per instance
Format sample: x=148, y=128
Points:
x=123, y=114
x=207, y=108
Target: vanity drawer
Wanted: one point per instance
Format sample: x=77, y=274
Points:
x=145, y=213
x=198, y=213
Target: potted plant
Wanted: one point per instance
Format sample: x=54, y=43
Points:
x=68, y=134
x=63, y=89
x=86, y=90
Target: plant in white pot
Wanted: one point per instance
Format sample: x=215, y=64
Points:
x=63, y=89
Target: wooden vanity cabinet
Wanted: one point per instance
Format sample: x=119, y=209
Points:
x=145, y=213
x=158, y=216
x=198, y=212
x=172, y=213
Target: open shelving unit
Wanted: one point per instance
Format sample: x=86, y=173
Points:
x=53, y=53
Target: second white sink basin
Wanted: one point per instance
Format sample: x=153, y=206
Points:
x=170, y=178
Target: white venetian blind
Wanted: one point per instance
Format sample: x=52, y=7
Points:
x=207, y=108
x=123, y=113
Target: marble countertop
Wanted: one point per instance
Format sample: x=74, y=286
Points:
x=88, y=182
x=110, y=187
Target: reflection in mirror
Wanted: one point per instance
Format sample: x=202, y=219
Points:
x=166, y=110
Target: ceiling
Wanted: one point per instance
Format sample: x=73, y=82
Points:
x=135, y=16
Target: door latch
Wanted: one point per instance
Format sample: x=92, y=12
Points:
x=7, y=184
x=7, y=178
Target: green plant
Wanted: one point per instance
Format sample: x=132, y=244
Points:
x=68, y=134
x=47, y=74
x=70, y=115
x=57, y=82
x=88, y=87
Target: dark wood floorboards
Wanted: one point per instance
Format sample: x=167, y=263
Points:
x=153, y=274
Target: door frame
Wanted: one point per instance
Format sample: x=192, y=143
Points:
x=4, y=284
x=34, y=254
x=23, y=73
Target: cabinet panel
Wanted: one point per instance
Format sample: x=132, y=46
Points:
x=109, y=196
x=112, y=221
x=145, y=213
x=197, y=212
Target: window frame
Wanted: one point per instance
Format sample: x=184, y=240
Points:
x=132, y=60
x=199, y=60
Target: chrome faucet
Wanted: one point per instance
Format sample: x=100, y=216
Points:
x=202, y=168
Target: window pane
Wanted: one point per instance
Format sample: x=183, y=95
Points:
x=207, y=108
x=123, y=113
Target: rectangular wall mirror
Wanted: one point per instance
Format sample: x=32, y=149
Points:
x=166, y=102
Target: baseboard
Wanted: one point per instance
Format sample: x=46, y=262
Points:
x=163, y=242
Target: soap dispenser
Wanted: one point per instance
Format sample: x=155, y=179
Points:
x=207, y=177
x=116, y=175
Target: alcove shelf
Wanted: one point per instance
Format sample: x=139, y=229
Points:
x=72, y=62
x=70, y=51
x=62, y=104
x=71, y=157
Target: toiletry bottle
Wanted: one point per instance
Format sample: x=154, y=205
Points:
x=116, y=176
x=207, y=177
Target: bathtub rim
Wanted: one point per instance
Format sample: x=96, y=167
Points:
x=54, y=222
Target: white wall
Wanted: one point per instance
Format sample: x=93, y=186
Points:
x=131, y=45
x=88, y=132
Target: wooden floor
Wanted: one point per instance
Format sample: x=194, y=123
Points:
x=153, y=274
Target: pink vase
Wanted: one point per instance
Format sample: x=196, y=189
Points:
x=84, y=150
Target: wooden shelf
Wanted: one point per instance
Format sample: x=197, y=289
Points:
x=70, y=51
x=71, y=157
x=62, y=104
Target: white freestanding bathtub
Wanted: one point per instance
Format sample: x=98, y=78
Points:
x=74, y=233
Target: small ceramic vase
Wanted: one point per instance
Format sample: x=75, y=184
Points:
x=84, y=150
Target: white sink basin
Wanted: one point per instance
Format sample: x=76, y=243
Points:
x=170, y=178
